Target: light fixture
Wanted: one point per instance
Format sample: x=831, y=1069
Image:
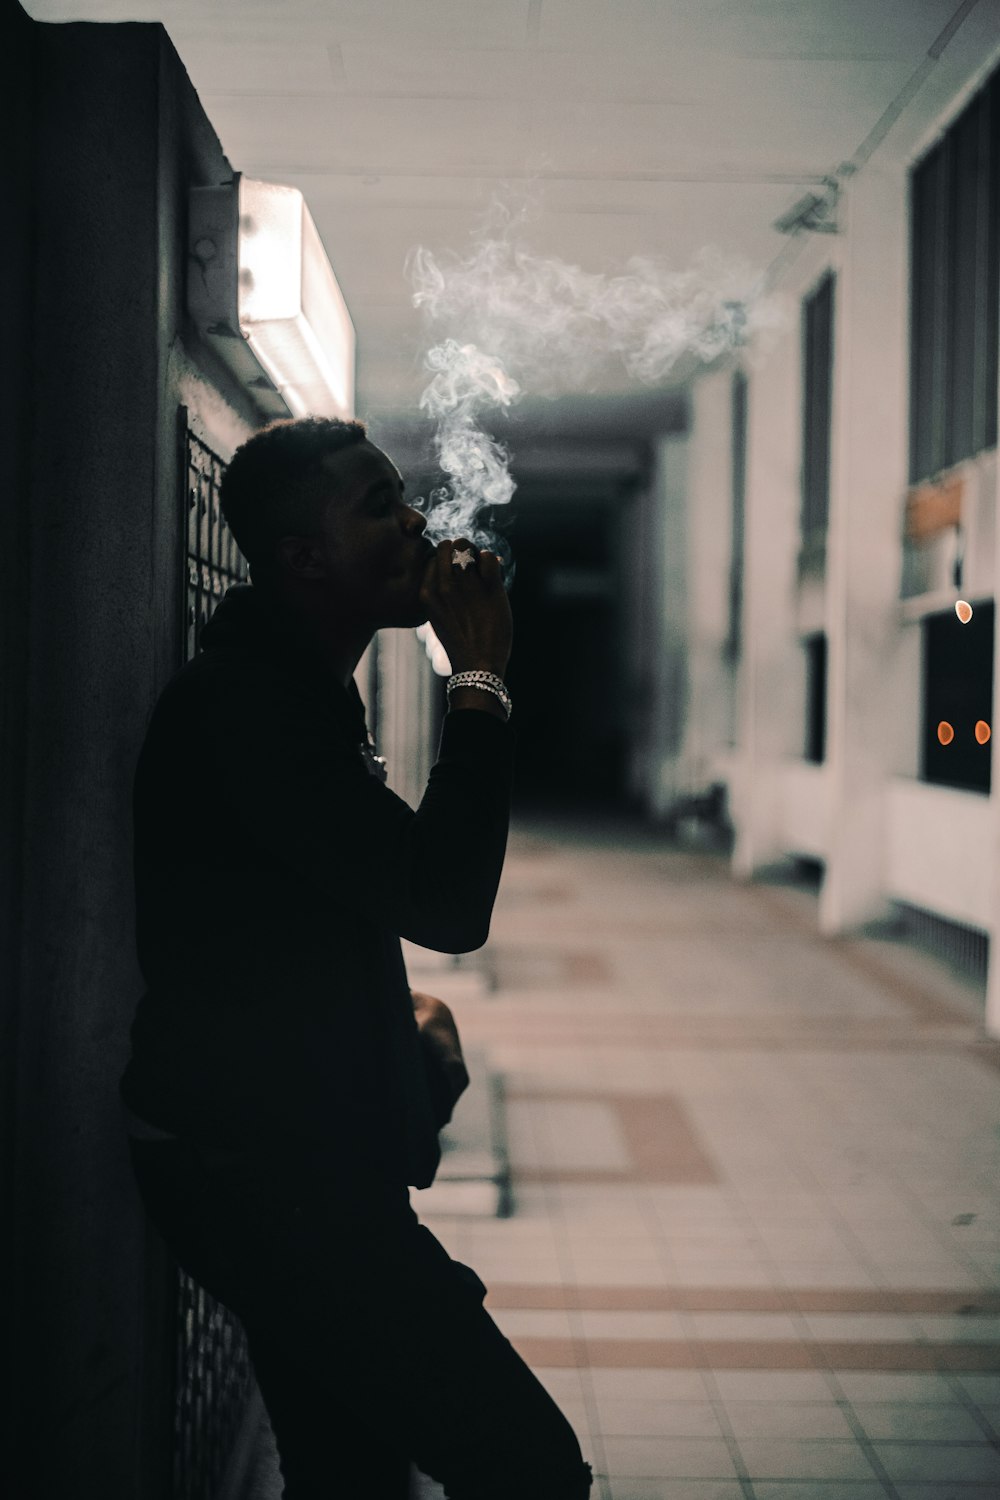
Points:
x=816, y=213
x=263, y=293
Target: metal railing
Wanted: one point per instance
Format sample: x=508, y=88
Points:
x=214, y=1378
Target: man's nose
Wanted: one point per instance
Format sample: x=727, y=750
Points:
x=414, y=520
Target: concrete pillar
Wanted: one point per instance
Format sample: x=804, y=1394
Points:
x=869, y=713
x=669, y=679
x=707, y=727
x=993, y=969
x=770, y=686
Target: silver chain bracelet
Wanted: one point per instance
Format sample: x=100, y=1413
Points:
x=487, y=682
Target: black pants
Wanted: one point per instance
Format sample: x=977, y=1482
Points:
x=370, y=1344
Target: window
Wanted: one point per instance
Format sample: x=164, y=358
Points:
x=958, y=699
x=955, y=290
x=739, y=487
x=815, y=745
x=817, y=405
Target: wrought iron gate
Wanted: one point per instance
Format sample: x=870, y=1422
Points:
x=213, y=1372
x=213, y=559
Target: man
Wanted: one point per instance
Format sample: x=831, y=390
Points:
x=285, y=1088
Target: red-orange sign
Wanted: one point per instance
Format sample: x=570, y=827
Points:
x=931, y=508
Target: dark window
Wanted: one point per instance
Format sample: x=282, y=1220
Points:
x=815, y=745
x=817, y=386
x=958, y=699
x=739, y=483
x=955, y=290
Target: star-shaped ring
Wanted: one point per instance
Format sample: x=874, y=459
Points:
x=463, y=559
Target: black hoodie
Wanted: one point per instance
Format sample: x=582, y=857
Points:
x=275, y=875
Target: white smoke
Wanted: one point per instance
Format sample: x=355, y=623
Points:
x=511, y=321
x=465, y=383
x=515, y=320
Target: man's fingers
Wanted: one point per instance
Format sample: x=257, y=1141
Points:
x=489, y=567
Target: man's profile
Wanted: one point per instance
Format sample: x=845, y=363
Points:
x=285, y=1086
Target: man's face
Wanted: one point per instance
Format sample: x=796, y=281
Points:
x=372, y=541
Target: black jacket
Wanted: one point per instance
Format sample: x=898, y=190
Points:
x=275, y=875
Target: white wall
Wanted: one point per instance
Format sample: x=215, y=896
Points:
x=939, y=851
x=772, y=671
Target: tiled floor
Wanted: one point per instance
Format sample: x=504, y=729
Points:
x=756, y=1243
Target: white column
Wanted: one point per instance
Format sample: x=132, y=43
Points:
x=670, y=667
x=771, y=674
x=993, y=970
x=869, y=706
x=709, y=541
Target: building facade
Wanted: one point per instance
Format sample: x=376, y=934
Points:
x=834, y=507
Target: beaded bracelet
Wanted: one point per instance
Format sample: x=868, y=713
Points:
x=487, y=682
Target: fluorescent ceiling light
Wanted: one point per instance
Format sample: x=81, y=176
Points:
x=262, y=291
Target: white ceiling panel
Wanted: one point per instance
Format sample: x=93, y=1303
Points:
x=694, y=77
x=296, y=133
x=631, y=127
x=498, y=23
x=747, y=28
x=279, y=67
x=751, y=135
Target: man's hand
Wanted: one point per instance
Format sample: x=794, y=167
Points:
x=439, y=1038
x=468, y=608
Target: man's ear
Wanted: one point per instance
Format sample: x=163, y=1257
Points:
x=301, y=556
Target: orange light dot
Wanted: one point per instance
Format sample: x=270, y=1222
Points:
x=983, y=732
x=964, y=611
x=945, y=732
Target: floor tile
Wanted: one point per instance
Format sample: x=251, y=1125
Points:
x=961, y=1329
x=898, y=1386
x=561, y=1384
x=772, y=1385
x=635, y=1418
x=942, y=1463
x=629, y=1325
x=844, y=1171
x=678, y=1458
x=767, y=1458
x=797, y=1421
x=743, y=1326
x=536, y=1322
x=939, y=1491
x=921, y=1423
x=720, y=1272
x=843, y=1274
x=819, y=1489
x=862, y=1327
x=984, y=1389
x=626, y=1488
x=647, y=1385
x=610, y=1273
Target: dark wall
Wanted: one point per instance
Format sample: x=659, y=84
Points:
x=111, y=136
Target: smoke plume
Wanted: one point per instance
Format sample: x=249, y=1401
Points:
x=512, y=321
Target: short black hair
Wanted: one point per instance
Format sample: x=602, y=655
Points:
x=270, y=488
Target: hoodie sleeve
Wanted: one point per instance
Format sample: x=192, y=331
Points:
x=287, y=765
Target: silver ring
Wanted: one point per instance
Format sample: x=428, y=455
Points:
x=462, y=559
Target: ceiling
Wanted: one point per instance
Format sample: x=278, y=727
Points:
x=636, y=126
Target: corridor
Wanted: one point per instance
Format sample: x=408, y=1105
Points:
x=754, y=1242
